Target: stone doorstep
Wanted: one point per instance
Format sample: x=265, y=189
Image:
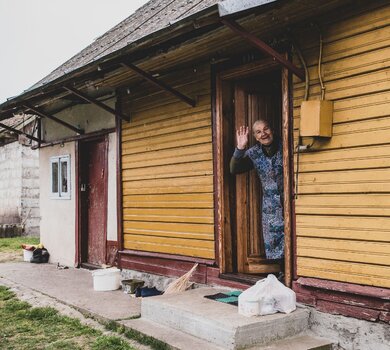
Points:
x=178, y=340
x=306, y=341
x=219, y=323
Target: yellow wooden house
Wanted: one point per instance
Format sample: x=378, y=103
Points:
x=180, y=77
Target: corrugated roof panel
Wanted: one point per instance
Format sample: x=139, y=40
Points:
x=201, y=5
x=229, y=7
x=153, y=16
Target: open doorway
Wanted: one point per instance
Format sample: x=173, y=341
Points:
x=92, y=201
x=243, y=95
x=254, y=98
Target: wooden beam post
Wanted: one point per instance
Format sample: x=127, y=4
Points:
x=159, y=83
x=288, y=171
x=97, y=103
x=262, y=46
x=19, y=132
x=39, y=132
x=52, y=117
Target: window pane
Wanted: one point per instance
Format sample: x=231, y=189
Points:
x=64, y=177
x=54, y=177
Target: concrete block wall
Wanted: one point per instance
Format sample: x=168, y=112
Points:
x=10, y=183
x=30, y=212
x=19, y=187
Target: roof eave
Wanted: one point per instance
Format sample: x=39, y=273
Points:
x=51, y=86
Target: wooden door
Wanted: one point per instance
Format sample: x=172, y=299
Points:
x=94, y=201
x=257, y=98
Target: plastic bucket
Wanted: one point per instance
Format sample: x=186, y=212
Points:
x=27, y=255
x=106, y=279
x=248, y=307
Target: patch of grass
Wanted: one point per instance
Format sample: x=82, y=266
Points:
x=23, y=327
x=15, y=305
x=64, y=345
x=42, y=313
x=6, y=294
x=112, y=343
x=14, y=243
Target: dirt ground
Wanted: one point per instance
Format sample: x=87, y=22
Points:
x=11, y=256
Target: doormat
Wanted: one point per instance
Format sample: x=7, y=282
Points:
x=230, y=298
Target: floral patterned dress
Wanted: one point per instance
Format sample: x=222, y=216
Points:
x=270, y=171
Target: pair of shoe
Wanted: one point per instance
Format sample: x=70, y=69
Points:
x=147, y=292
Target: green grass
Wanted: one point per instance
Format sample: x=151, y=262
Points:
x=109, y=342
x=23, y=327
x=14, y=243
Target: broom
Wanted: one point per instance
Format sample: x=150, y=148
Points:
x=182, y=283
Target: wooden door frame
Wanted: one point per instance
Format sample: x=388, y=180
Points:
x=223, y=189
x=79, y=217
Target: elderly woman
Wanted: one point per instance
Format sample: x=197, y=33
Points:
x=266, y=157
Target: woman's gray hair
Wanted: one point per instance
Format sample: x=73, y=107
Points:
x=258, y=121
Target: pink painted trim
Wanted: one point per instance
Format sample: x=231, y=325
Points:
x=129, y=252
x=343, y=287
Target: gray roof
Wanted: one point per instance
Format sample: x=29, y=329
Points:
x=151, y=25
x=152, y=17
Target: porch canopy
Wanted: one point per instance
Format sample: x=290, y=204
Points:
x=160, y=37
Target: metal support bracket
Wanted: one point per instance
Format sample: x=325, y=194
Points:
x=19, y=132
x=97, y=103
x=262, y=46
x=159, y=83
x=53, y=118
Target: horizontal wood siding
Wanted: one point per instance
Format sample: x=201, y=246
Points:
x=167, y=169
x=343, y=206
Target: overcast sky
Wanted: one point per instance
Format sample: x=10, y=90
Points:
x=37, y=36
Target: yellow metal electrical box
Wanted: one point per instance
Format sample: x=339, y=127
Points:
x=316, y=118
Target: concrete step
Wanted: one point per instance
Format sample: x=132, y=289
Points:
x=177, y=340
x=220, y=323
x=301, y=342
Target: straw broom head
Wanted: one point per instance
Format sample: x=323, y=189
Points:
x=182, y=283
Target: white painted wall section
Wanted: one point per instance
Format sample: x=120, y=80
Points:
x=58, y=216
x=88, y=117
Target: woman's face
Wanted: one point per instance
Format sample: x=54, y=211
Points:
x=263, y=133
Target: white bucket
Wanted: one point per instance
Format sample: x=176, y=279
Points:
x=27, y=255
x=106, y=279
x=248, y=308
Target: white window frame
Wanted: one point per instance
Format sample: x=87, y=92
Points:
x=58, y=160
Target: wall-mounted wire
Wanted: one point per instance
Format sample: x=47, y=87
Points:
x=305, y=98
x=304, y=65
x=319, y=67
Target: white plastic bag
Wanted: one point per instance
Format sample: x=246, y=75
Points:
x=266, y=297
